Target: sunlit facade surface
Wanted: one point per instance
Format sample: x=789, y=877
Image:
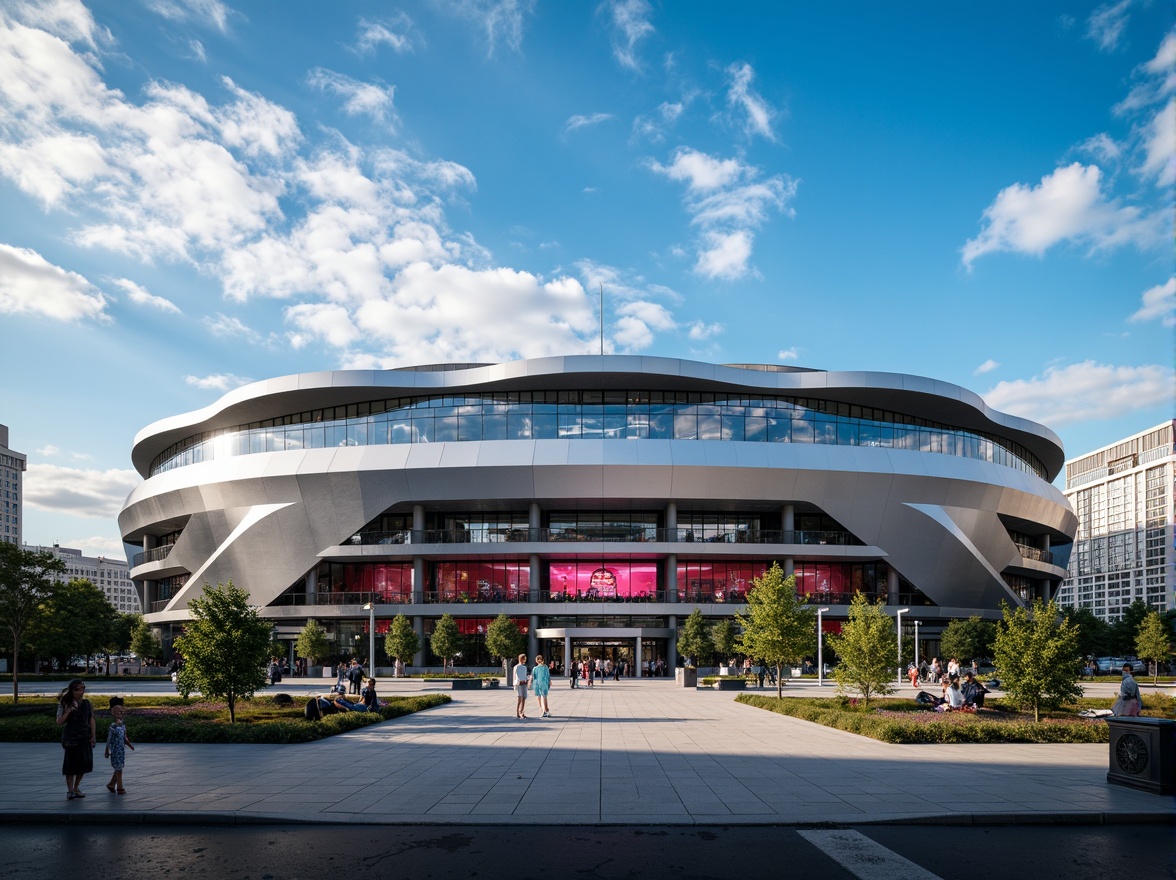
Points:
x=598, y=500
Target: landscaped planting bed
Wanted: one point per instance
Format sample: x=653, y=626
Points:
x=153, y=719
x=904, y=721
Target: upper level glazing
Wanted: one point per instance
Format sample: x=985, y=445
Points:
x=612, y=415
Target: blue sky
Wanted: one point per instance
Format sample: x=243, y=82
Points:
x=196, y=193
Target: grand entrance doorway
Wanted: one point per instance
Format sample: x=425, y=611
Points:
x=638, y=649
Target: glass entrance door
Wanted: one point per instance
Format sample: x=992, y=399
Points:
x=615, y=651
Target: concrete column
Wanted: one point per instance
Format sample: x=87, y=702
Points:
x=536, y=577
x=671, y=521
x=891, y=586
x=418, y=580
x=418, y=627
x=567, y=653
x=789, y=566
x=671, y=578
x=640, y=671
x=532, y=639
x=418, y=522
x=672, y=649
x=534, y=519
x=789, y=518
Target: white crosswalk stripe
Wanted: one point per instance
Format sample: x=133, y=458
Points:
x=865, y=858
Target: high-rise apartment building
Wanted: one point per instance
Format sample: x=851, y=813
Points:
x=1123, y=496
x=109, y=575
x=12, y=468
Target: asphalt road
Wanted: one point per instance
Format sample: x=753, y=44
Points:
x=599, y=853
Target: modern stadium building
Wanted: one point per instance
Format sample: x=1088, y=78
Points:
x=596, y=499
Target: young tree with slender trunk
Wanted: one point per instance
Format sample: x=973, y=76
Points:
x=225, y=647
x=446, y=640
x=401, y=643
x=1036, y=653
x=695, y=643
x=505, y=641
x=312, y=643
x=26, y=583
x=1152, y=643
x=867, y=650
x=779, y=628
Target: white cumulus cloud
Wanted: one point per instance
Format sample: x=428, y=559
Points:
x=143, y=297
x=1088, y=391
x=78, y=491
x=31, y=285
x=359, y=98
x=217, y=381
x=1159, y=303
x=987, y=367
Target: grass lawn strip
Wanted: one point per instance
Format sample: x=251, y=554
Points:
x=904, y=721
x=160, y=719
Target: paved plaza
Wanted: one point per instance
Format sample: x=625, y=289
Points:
x=629, y=752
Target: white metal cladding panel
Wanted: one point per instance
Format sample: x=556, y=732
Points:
x=506, y=453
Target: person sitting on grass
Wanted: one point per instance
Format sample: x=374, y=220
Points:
x=953, y=699
x=369, y=702
x=973, y=691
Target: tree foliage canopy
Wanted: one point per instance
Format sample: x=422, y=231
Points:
x=1095, y=635
x=401, y=643
x=1153, y=642
x=26, y=583
x=1123, y=630
x=867, y=649
x=724, y=636
x=1037, y=659
x=225, y=646
x=968, y=639
x=694, y=644
x=144, y=644
x=779, y=628
x=312, y=642
x=446, y=640
x=75, y=619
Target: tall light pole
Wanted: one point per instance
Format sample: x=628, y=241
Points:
x=820, y=649
x=371, y=608
x=901, y=612
x=916, y=643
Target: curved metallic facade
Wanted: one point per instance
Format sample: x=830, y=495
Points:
x=947, y=507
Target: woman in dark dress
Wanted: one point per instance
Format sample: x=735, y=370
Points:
x=78, y=734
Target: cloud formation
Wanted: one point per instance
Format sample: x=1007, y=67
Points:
x=373, y=34
x=987, y=367
x=1159, y=304
x=1106, y=24
x=628, y=24
x=575, y=122
x=141, y=296
x=31, y=285
x=1084, y=392
x=79, y=492
x=359, y=98
x=758, y=114
x=728, y=200
x=217, y=381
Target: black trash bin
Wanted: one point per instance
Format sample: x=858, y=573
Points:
x=1143, y=753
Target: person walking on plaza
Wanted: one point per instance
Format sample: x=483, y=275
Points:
x=117, y=743
x=520, y=679
x=574, y=674
x=541, y=684
x=79, y=732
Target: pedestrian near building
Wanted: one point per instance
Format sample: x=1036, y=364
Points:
x=541, y=684
x=117, y=743
x=1130, y=701
x=520, y=679
x=574, y=674
x=79, y=732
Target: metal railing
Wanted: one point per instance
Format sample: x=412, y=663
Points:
x=609, y=536
x=1035, y=553
x=153, y=555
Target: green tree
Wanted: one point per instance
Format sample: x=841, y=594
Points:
x=867, y=649
x=446, y=640
x=779, y=628
x=312, y=643
x=695, y=643
x=1124, y=629
x=401, y=643
x=26, y=582
x=505, y=641
x=225, y=647
x=1036, y=653
x=968, y=639
x=724, y=636
x=121, y=633
x=76, y=619
x=144, y=642
x=1094, y=633
x=1152, y=642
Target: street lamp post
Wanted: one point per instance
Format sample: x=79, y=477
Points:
x=901, y=612
x=916, y=643
x=820, y=649
x=371, y=608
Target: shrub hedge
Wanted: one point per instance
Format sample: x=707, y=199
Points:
x=175, y=720
x=903, y=721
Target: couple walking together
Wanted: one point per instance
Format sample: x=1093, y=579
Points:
x=539, y=680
